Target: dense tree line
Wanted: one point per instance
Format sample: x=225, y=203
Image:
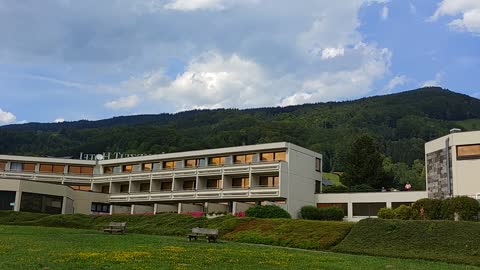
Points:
x=399, y=123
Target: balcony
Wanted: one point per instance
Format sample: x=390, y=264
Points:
x=201, y=194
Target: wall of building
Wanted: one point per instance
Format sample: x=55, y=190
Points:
x=301, y=179
x=437, y=174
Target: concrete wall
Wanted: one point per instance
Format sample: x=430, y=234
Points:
x=239, y=207
x=120, y=209
x=188, y=208
x=142, y=209
x=301, y=179
x=166, y=208
x=216, y=207
x=82, y=201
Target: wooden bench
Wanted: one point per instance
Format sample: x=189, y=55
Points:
x=210, y=234
x=116, y=227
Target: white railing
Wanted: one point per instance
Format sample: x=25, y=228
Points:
x=196, y=194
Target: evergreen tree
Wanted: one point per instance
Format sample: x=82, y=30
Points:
x=364, y=165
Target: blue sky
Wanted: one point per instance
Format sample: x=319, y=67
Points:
x=65, y=60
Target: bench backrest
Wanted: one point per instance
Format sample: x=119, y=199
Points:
x=118, y=224
x=204, y=231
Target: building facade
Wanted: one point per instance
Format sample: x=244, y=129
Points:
x=214, y=180
x=453, y=165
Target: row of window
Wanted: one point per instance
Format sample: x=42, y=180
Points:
x=363, y=209
x=193, y=163
x=240, y=182
x=46, y=168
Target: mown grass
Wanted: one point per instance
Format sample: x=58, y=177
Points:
x=24, y=247
x=335, y=178
x=448, y=241
x=307, y=234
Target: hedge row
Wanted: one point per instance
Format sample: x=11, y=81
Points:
x=462, y=208
x=328, y=213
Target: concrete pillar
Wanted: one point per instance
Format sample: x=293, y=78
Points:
x=350, y=210
x=18, y=199
x=389, y=204
x=64, y=204
x=132, y=209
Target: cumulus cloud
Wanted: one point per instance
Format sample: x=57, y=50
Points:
x=328, y=53
x=59, y=120
x=191, y=5
x=395, y=82
x=384, y=13
x=6, y=117
x=123, y=103
x=435, y=82
x=466, y=11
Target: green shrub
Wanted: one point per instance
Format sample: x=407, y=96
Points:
x=328, y=213
x=386, y=213
x=467, y=208
x=405, y=212
x=335, y=189
x=429, y=208
x=362, y=188
x=267, y=211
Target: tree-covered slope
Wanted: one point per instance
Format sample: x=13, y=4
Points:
x=400, y=122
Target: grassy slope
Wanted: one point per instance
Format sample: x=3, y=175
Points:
x=306, y=234
x=448, y=241
x=60, y=248
x=282, y=232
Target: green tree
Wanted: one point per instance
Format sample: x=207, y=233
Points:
x=365, y=165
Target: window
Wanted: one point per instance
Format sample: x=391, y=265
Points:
x=124, y=188
x=248, y=158
x=144, y=187
x=318, y=165
x=216, y=161
x=468, y=151
x=367, y=209
x=40, y=203
x=127, y=168
x=147, y=166
x=169, y=164
x=82, y=188
x=166, y=186
x=189, y=185
x=50, y=168
x=106, y=189
x=29, y=167
x=80, y=170
x=318, y=187
x=269, y=181
x=343, y=206
x=6, y=198
x=2, y=165
x=242, y=182
x=278, y=156
x=214, y=183
x=100, y=207
x=22, y=167
x=192, y=163
x=107, y=170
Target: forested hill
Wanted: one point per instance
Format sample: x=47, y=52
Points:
x=401, y=123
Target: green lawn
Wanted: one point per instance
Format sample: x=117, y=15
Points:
x=333, y=177
x=60, y=248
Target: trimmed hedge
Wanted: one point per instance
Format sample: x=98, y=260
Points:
x=433, y=209
x=448, y=241
x=328, y=213
x=267, y=211
x=297, y=233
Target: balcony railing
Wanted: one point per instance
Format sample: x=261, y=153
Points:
x=231, y=193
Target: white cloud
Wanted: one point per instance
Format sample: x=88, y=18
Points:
x=59, y=120
x=384, y=13
x=6, y=117
x=469, y=10
x=123, y=103
x=191, y=5
x=328, y=53
x=435, y=82
x=395, y=82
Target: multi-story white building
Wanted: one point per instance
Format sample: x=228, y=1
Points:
x=214, y=180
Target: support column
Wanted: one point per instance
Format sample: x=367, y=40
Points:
x=64, y=204
x=132, y=209
x=154, y=206
x=350, y=210
x=389, y=204
x=18, y=199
